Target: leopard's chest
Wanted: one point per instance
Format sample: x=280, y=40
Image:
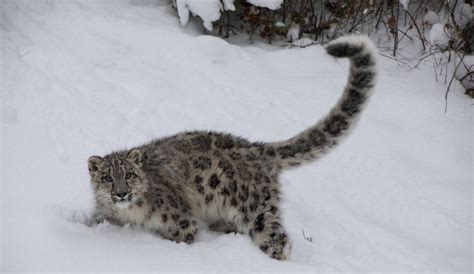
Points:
x=134, y=215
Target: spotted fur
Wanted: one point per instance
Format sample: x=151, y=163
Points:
x=170, y=184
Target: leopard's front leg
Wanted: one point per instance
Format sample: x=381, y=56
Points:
x=100, y=217
x=173, y=219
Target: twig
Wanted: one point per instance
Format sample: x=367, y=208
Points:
x=380, y=7
x=469, y=74
x=395, y=39
x=424, y=57
x=309, y=239
x=404, y=34
x=450, y=82
x=418, y=30
x=354, y=25
x=291, y=45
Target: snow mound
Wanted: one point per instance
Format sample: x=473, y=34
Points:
x=437, y=35
x=208, y=10
x=293, y=33
x=430, y=17
x=463, y=14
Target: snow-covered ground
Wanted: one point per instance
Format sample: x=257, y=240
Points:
x=87, y=77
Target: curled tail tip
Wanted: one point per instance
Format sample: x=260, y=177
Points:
x=350, y=46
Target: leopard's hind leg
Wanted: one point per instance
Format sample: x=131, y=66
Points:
x=262, y=218
x=268, y=233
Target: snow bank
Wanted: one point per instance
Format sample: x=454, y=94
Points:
x=87, y=77
x=210, y=10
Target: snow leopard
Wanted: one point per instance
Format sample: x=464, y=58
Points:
x=171, y=186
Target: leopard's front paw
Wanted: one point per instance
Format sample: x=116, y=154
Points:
x=95, y=220
x=184, y=231
x=278, y=246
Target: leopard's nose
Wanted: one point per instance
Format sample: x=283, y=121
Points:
x=121, y=195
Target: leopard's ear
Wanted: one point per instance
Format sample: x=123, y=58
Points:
x=94, y=163
x=135, y=156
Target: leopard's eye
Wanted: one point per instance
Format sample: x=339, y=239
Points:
x=128, y=175
x=108, y=178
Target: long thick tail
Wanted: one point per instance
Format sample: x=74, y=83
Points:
x=328, y=132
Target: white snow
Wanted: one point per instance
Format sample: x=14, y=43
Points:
x=303, y=42
x=208, y=10
x=279, y=24
x=463, y=14
x=438, y=36
x=81, y=78
x=270, y=4
x=228, y=4
x=293, y=33
x=430, y=17
x=405, y=3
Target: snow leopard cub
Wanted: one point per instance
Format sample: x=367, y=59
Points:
x=170, y=184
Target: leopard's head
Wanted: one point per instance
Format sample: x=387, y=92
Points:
x=118, y=179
